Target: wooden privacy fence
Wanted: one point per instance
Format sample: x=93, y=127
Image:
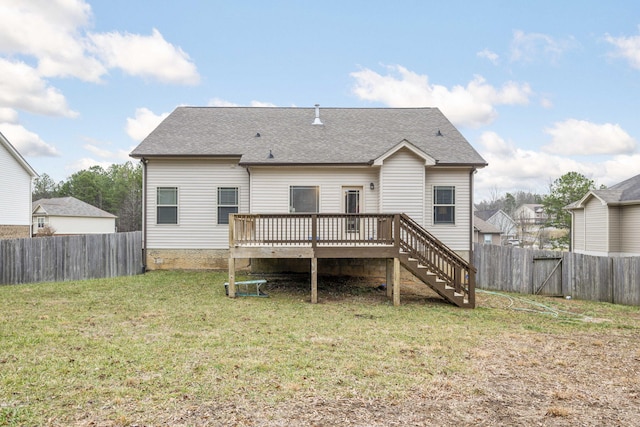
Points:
x=510, y=269
x=61, y=258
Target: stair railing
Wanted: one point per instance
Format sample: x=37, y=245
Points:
x=439, y=259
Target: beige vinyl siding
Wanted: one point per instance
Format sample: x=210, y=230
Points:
x=80, y=225
x=270, y=187
x=630, y=229
x=402, y=185
x=613, y=231
x=596, y=229
x=578, y=227
x=456, y=236
x=15, y=187
x=197, y=181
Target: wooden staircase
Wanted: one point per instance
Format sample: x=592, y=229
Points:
x=431, y=261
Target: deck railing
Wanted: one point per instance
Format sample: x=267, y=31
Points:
x=312, y=229
x=355, y=230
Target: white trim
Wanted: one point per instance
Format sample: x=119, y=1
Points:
x=428, y=160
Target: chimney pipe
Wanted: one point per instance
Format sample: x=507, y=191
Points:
x=317, y=120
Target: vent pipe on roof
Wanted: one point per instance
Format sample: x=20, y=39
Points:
x=317, y=120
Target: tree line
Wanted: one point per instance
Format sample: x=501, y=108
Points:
x=116, y=189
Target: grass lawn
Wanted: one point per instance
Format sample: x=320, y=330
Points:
x=168, y=348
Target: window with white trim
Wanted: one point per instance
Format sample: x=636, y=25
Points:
x=167, y=205
x=488, y=239
x=304, y=199
x=444, y=201
x=227, y=203
x=41, y=222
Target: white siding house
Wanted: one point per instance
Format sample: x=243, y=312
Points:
x=607, y=222
x=202, y=163
x=16, y=177
x=68, y=215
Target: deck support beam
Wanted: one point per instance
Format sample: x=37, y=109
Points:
x=232, y=277
x=396, y=282
x=314, y=280
x=389, y=282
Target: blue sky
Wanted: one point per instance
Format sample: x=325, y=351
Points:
x=538, y=88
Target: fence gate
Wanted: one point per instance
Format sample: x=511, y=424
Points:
x=547, y=275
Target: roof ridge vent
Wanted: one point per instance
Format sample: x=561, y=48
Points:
x=317, y=120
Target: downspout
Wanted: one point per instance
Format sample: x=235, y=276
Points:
x=144, y=213
x=249, y=188
x=471, y=173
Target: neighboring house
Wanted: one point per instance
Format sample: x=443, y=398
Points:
x=502, y=221
x=485, y=232
x=16, y=177
x=531, y=214
x=203, y=163
x=68, y=215
x=607, y=222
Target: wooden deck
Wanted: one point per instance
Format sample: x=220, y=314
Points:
x=394, y=237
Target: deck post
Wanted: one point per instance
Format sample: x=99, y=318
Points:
x=389, y=277
x=396, y=282
x=232, y=277
x=314, y=280
x=232, y=260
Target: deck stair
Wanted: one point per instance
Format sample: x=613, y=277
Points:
x=435, y=264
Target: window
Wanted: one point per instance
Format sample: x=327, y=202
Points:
x=304, y=199
x=167, y=205
x=41, y=222
x=488, y=239
x=227, y=203
x=444, y=200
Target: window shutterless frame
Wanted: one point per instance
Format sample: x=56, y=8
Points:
x=444, y=201
x=227, y=203
x=304, y=199
x=167, y=205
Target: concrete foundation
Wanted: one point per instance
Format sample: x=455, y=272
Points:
x=15, y=231
x=190, y=259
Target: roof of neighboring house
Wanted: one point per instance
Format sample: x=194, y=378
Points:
x=484, y=227
x=12, y=150
x=69, y=206
x=277, y=136
x=625, y=192
x=490, y=213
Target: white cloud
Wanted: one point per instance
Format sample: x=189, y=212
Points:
x=8, y=115
x=491, y=56
x=143, y=123
x=218, y=102
x=85, y=163
x=580, y=137
x=529, y=47
x=626, y=47
x=473, y=105
x=261, y=104
x=512, y=168
x=56, y=45
x=21, y=88
x=145, y=56
x=97, y=149
x=27, y=142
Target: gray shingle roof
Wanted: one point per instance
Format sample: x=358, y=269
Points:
x=347, y=135
x=484, y=227
x=70, y=206
x=625, y=191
